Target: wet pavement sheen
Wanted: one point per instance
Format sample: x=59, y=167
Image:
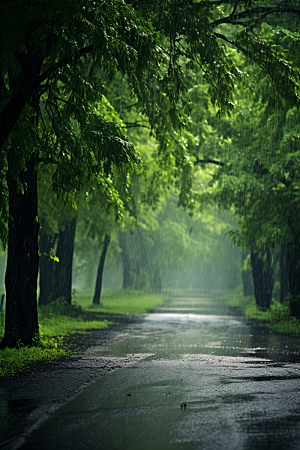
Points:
x=201, y=380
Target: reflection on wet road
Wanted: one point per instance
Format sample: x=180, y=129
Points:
x=206, y=382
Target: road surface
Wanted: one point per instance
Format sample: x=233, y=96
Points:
x=190, y=376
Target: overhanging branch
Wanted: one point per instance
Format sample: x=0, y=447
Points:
x=264, y=171
x=229, y=41
x=254, y=13
x=209, y=161
x=84, y=51
x=135, y=125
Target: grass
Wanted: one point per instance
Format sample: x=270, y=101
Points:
x=14, y=361
x=117, y=301
x=59, y=320
x=277, y=318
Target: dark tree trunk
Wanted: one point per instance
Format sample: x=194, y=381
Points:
x=127, y=273
x=23, y=87
x=262, y=279
x=98, y=286
x=47, y=267
x=21, y=321
x=246, y=277
x=2, y=301
x=63, y=269
x=294, y=275
x=284, y=273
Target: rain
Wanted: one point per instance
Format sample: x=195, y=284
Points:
x=149, y=227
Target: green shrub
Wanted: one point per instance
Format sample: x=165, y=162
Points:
x=278, y=318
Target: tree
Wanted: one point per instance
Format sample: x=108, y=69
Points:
x=98, y=287
x=46, y=266
x=21, y=320
x=47, y=94
x=35, y=71
x=257, y=155
x=169, y=243
x=246, y=274
x=100, y=217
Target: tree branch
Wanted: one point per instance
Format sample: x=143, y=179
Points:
x=250, y=13
x=209, y=161
x=224, y=38
x=264, y=171
x=201, y=5
x=135, y=124
x=83, y=51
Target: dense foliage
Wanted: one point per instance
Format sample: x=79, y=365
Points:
x=75, y=77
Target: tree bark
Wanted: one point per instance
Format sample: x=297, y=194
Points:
x=262, y=279
x=127, y=273
x=47, y=267
x=63, y=269
x=293, y=258
x=284, y=273
x=21, y=320
x=98, y=286
x=23, y=87
x=246, y=277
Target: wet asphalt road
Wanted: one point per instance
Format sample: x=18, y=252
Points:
x=191, y=376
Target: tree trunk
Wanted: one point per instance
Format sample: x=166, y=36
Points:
x=21, y=321
x=284, y=273
x=63, y=269
x=47, y=267
x=157, y=281
x=127, y=273
x=294, y=275
x=246, y=277
x=98, y=286
x=23, y=87
x=262, y=279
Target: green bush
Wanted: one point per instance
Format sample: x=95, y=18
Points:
x=278, y=318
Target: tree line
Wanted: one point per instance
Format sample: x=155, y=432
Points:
x=65, y=126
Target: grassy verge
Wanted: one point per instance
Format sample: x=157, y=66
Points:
x=13, y=361
x=58, y=320
x=61, y=319
x=117, y=301
x=277, y=318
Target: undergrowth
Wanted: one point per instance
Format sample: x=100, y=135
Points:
x=56, y=321
x=13, y=361
x=59, y=319
x=278, y=318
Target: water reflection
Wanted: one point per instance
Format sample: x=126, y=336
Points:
x=169, y=334
x=238, y=382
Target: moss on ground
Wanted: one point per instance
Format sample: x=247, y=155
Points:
x=277, y=318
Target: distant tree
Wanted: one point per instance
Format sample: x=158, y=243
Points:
x=98, y=286
x=246, y=274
